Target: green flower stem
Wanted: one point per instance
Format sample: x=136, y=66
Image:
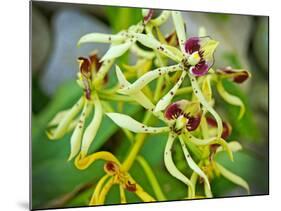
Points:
x=152, y=178
x=140, y=137
x=185, y=90
x=116, y=98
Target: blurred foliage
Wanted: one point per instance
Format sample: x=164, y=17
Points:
x=53, y=176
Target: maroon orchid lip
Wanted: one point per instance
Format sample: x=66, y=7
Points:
x=148, y=16
x=238, y=76
x=111, y=167
x=85, y=66
x=226, y=127
x=193, y=45
x=180, y=108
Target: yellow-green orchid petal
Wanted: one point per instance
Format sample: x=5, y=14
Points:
x=116, y=50
x=66, y=121
x=92, y=128
x=192, y=164
x=162, y=18
x=234, y=146
x=166, y=100
x=231, y=99
x=208, y=47
x=138, y=96
x=171, y=167
x=180, y=28
x=147, y=78
x=129, y=123
x=205, y=103
x=98, y=189
x=122, y=195
x=101, y=38
x=209, y=141
x=151, y=42
x=76, y=138
x=233, y=177
x=84, y=162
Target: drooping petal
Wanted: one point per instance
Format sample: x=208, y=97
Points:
x=148, y=77
x=207, y=89
x=233, y=177
x=205, y=103
x=66, y=121
x=58, y=118
x=100, y=38
x=138, y=96
x=171, y=167
x=166, y=100
x=116, y=50
x=192, y=164
x=180, y=28
x=92, y=128
x=209, y=141
x=231, y=99
x=129, y=123
x=98, y=189
x=76, y=137
x=233, y=145
x=237, y=75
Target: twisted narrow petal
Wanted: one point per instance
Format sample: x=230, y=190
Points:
x=162, y=18
x=234, y=146
x=231, y=99
x=66, y=120
x=192, y=164
x=151, y=42
x=58, y=118
x=123, y=199
x=171, y=167
x=180, y=28
x=100, y=38
x=166, y=100
x=138, y=96
x=84, y=162
x=116, y=50
x=93, y=127
x=127, y=122
x=147, y=78
x=98, y=189
x=233, y=177
x=205, y=103
x=76, y=138
x=209, y=141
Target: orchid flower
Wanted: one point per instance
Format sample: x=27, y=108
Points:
x=182, y=68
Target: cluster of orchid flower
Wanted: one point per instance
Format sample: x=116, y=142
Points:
x=193, y=122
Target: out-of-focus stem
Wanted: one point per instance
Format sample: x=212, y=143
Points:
x=152, y=178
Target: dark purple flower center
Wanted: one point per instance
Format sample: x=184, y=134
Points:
x=192, y=45
x=174, y=111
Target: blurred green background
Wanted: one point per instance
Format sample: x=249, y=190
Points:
x=56, y=28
